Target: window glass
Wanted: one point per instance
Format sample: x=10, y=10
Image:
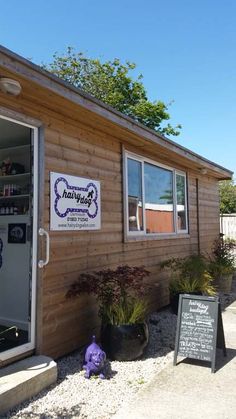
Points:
x=135, y=204
x=159, y=206
x=181, y=202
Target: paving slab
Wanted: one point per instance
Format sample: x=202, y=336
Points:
x=24, y=379
x=189, y=390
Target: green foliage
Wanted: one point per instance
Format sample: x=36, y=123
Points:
x=111, y=83
x=222, y=261
x=227, y=190
x=127, y=312
x=120, y=293
x=190, y=274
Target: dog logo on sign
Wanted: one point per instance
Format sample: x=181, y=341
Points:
x=75, y=199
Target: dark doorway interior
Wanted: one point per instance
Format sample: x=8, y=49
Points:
x=12, y=337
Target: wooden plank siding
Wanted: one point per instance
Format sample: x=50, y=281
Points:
x=73, y=146
x=209, y=213
x=75, y=252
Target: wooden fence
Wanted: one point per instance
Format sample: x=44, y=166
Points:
x=228, y=225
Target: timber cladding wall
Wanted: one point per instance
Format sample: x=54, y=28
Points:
x=84, y=152
x=79, y=152
x=79, y=149
x=209, y=213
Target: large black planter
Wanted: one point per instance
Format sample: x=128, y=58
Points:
x=174, y=300
x=125, y=342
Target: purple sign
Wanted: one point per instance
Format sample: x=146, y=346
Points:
x=75, y=203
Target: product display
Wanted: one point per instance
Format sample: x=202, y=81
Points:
x=14, y=182
x=11, y=168
x=10, y=208
x=10, y=190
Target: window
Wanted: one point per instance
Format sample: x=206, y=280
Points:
x=156, y=198
x=135, y=202
x=181, y=202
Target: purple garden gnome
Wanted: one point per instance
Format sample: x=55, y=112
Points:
x=95, y=359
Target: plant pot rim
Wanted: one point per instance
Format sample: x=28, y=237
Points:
x=199, y=292
x=128, y=325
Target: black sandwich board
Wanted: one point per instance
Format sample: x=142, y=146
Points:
x=199, y=328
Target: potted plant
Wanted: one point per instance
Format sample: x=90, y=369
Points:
x=222, y=263
x=189, y=275
x=120, y=295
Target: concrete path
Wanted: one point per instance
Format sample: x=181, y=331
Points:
x=190, y=390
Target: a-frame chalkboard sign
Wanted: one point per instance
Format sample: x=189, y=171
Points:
x=199, y=329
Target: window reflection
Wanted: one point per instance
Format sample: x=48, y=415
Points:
x=181, y=202
x=135, y=205
x=159, y=207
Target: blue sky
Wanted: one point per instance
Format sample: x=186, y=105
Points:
x=185, y=49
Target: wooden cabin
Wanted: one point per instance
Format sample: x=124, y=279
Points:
x=84, y=187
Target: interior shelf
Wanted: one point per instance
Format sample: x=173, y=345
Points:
x=14, y=197
x=14, y=177
x=14, y=188
x=15, y=148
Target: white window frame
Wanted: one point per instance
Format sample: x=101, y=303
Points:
x=183, y=174
x=143, y=233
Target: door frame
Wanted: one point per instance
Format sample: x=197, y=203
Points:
x=34, y=126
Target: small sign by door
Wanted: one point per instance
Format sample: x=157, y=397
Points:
x=17, y=233
x=75, y=203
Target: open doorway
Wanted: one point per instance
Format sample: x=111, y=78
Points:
x=18, y=165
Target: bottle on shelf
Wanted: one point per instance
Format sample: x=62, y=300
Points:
x=7, y=210
x=11, y=209
x=5, y=190
x=15, y=209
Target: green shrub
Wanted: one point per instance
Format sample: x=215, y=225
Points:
x=222, y=260
x=189, y=274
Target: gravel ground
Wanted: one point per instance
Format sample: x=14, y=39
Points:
x=76, y=397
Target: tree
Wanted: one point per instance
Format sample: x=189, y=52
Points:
x=111, y=83
x=227, y=197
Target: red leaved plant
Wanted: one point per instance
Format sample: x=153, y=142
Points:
x=120, y=292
